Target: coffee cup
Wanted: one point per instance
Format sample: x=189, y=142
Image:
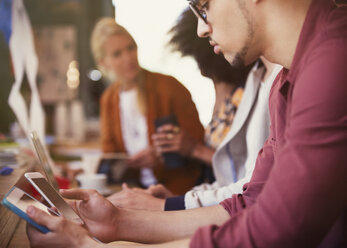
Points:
x=90, y=162
x=93, y=181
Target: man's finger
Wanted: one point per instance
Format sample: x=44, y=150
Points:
x=42, y=218
x=73, y=204
x=125, y=186
x=35, y=236
x=166, y=142
x=159, y=136
x=166, y=128
x=139, y=190
x=167, y=149
x=76, y=194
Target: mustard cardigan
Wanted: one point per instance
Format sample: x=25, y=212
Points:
x=164, y=96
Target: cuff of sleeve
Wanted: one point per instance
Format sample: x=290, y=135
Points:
x=174, y=203
x=227, y=205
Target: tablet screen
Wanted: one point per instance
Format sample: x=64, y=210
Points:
x=54, y=198
x=44, y=160
x=22, y=201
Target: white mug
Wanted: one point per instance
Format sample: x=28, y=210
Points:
x=90, y=162
x=93, y=181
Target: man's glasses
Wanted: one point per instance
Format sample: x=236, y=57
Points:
x=198, y=9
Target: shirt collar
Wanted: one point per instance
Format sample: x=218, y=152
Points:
x=312, y=29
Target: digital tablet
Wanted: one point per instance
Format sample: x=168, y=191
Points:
x=52, y=196
x=18, y=201
x=44, y=159
x=113, y=165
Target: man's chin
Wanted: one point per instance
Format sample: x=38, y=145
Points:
x=236, y=60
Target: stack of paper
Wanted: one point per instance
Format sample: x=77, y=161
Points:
x=8, y=158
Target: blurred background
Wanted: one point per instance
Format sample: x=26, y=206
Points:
x=68, y=79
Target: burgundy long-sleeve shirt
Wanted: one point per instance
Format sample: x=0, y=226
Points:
x=297, y=196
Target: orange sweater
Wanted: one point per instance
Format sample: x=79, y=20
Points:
x=165, y=96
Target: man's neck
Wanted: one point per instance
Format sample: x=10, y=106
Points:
x=269, y=67
x=284, y=28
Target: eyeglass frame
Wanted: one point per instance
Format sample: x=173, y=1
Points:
x=196, y=10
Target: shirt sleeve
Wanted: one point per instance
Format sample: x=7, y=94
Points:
x=214, y=195
x=306, y=189
x=174, y=203
x=206, y=186
x=107, y=142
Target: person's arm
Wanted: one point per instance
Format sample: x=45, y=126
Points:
x=181, y=142
x=214, y=194
x=107, y=142
x=159, y=226
x=203, y=153
x=210, y=197
x=136, y=199
x=305, y=192
x=206, y=186
x=109, y=223
x=64, y=233
x=183, y=243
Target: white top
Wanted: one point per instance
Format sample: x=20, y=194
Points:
x=134, y=130
x=241, y=145
x=260, y=115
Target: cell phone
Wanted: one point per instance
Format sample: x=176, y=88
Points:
x=18, y=201
x=52, y=196
x=172, y=160
x=170, y=119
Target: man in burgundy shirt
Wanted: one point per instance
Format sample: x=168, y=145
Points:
x=297, y=196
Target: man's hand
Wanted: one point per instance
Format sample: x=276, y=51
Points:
x=98, y=214
x=136, y=199
x=159, y=191
x=63, y=233
x=170, y=138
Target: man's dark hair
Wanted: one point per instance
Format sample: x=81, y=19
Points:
x=185, y=40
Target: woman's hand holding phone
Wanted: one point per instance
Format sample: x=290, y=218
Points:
x=170, y=138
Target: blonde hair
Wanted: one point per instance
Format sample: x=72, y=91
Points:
x=104, y=29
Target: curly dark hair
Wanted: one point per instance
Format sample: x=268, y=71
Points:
x=185, y=40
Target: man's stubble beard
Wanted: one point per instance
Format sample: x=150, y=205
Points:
x=239, y=60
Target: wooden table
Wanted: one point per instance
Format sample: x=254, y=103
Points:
x=12, y=228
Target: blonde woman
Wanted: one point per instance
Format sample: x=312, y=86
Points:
x=130, y=106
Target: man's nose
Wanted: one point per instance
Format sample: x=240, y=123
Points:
x=204, y=29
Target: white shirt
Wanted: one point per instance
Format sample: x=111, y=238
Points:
x=134, y=130
x=246, y=137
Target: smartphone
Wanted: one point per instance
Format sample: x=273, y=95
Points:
x=52, y=196
x=18, y=201
x=172, y=160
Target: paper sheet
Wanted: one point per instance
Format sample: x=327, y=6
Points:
x=25, y=61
